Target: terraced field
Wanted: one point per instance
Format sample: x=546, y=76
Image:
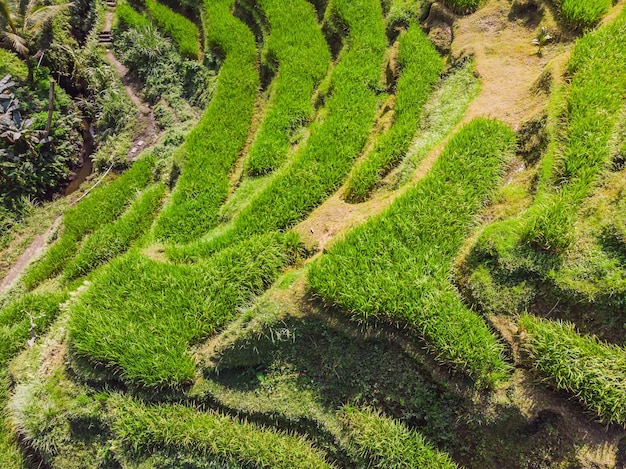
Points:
x=395, y=238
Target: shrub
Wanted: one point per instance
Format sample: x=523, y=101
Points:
x=397, y=265
x=214, y=144
x=297, y=44
x=380, y=442
x=420, y=66
x=180, y=29
x=594, y=371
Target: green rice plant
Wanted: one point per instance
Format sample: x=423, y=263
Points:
x=583, y=13
x=145, y=428
x=595, y=99
x=140, y=316
x=180, y=29
x=443, y=111
x=420, y=66
x=20, y=321
x=296, y=43
x=397, y=265
x=127, y=17
x=380, y=442
x=464, y=7
x=592, y=370
x=319, y=168
x=113, y=239
x=103, y=205
x=215, y=143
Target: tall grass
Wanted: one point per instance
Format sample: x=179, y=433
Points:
x=127, y=17
x=214, y=144
x=103, y=205
x=420, y=66
x=15, y=331
x=595, y=98
x=296, y=43
x=380, y=442
x=594, y=371
x=115, y=238
x=319, y=168
x=583, y=13
x=140, y=316
x=180, y=29
x=464, y=7
x=397, y=266
x=218, y=437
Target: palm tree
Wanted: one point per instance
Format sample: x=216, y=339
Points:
x=21, y=23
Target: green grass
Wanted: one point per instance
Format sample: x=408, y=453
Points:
x=594, y=371
x=296, y=43
x=420, y=66
x=103, y=205
x=441, y=114
x=180, y=29
x=115, y=238
x=141, y=316
x=319, y=168
x=464, y=6
x=594, y=102
x=215, y=143
x=583, y=13
x=380, y=442
x=15, y=326
x=397, y=266
x=145, y=428
x=127, y=17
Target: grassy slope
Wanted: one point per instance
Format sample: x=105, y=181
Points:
x=420, y=66
x=180, y=29
x=297, y=44
x=397, y=265
x=214, y=144
x=140, y=316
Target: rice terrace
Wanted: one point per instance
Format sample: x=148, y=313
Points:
x=312, y=234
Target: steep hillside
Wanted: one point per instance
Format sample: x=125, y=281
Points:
x=367, y=234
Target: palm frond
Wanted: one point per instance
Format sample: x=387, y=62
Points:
x=38, y=18
x=16, y=42
x=5, y=12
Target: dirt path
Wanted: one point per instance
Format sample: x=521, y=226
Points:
x=33, y=251
x=149, y=133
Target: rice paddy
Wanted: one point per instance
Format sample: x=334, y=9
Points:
x=344, y=262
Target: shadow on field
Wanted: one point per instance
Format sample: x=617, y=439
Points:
x=339, y=363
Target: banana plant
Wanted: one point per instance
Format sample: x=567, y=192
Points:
x=542, y=39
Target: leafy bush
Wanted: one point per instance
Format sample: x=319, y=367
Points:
x=164, y=308
x=420, y=66
x=214, y=144
x=594, y=371
x=297, y=44
x=115, y=238
x=218, y=437
x=103, y=205
x=397, y=265
x=380, y=442
x=180, y=29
